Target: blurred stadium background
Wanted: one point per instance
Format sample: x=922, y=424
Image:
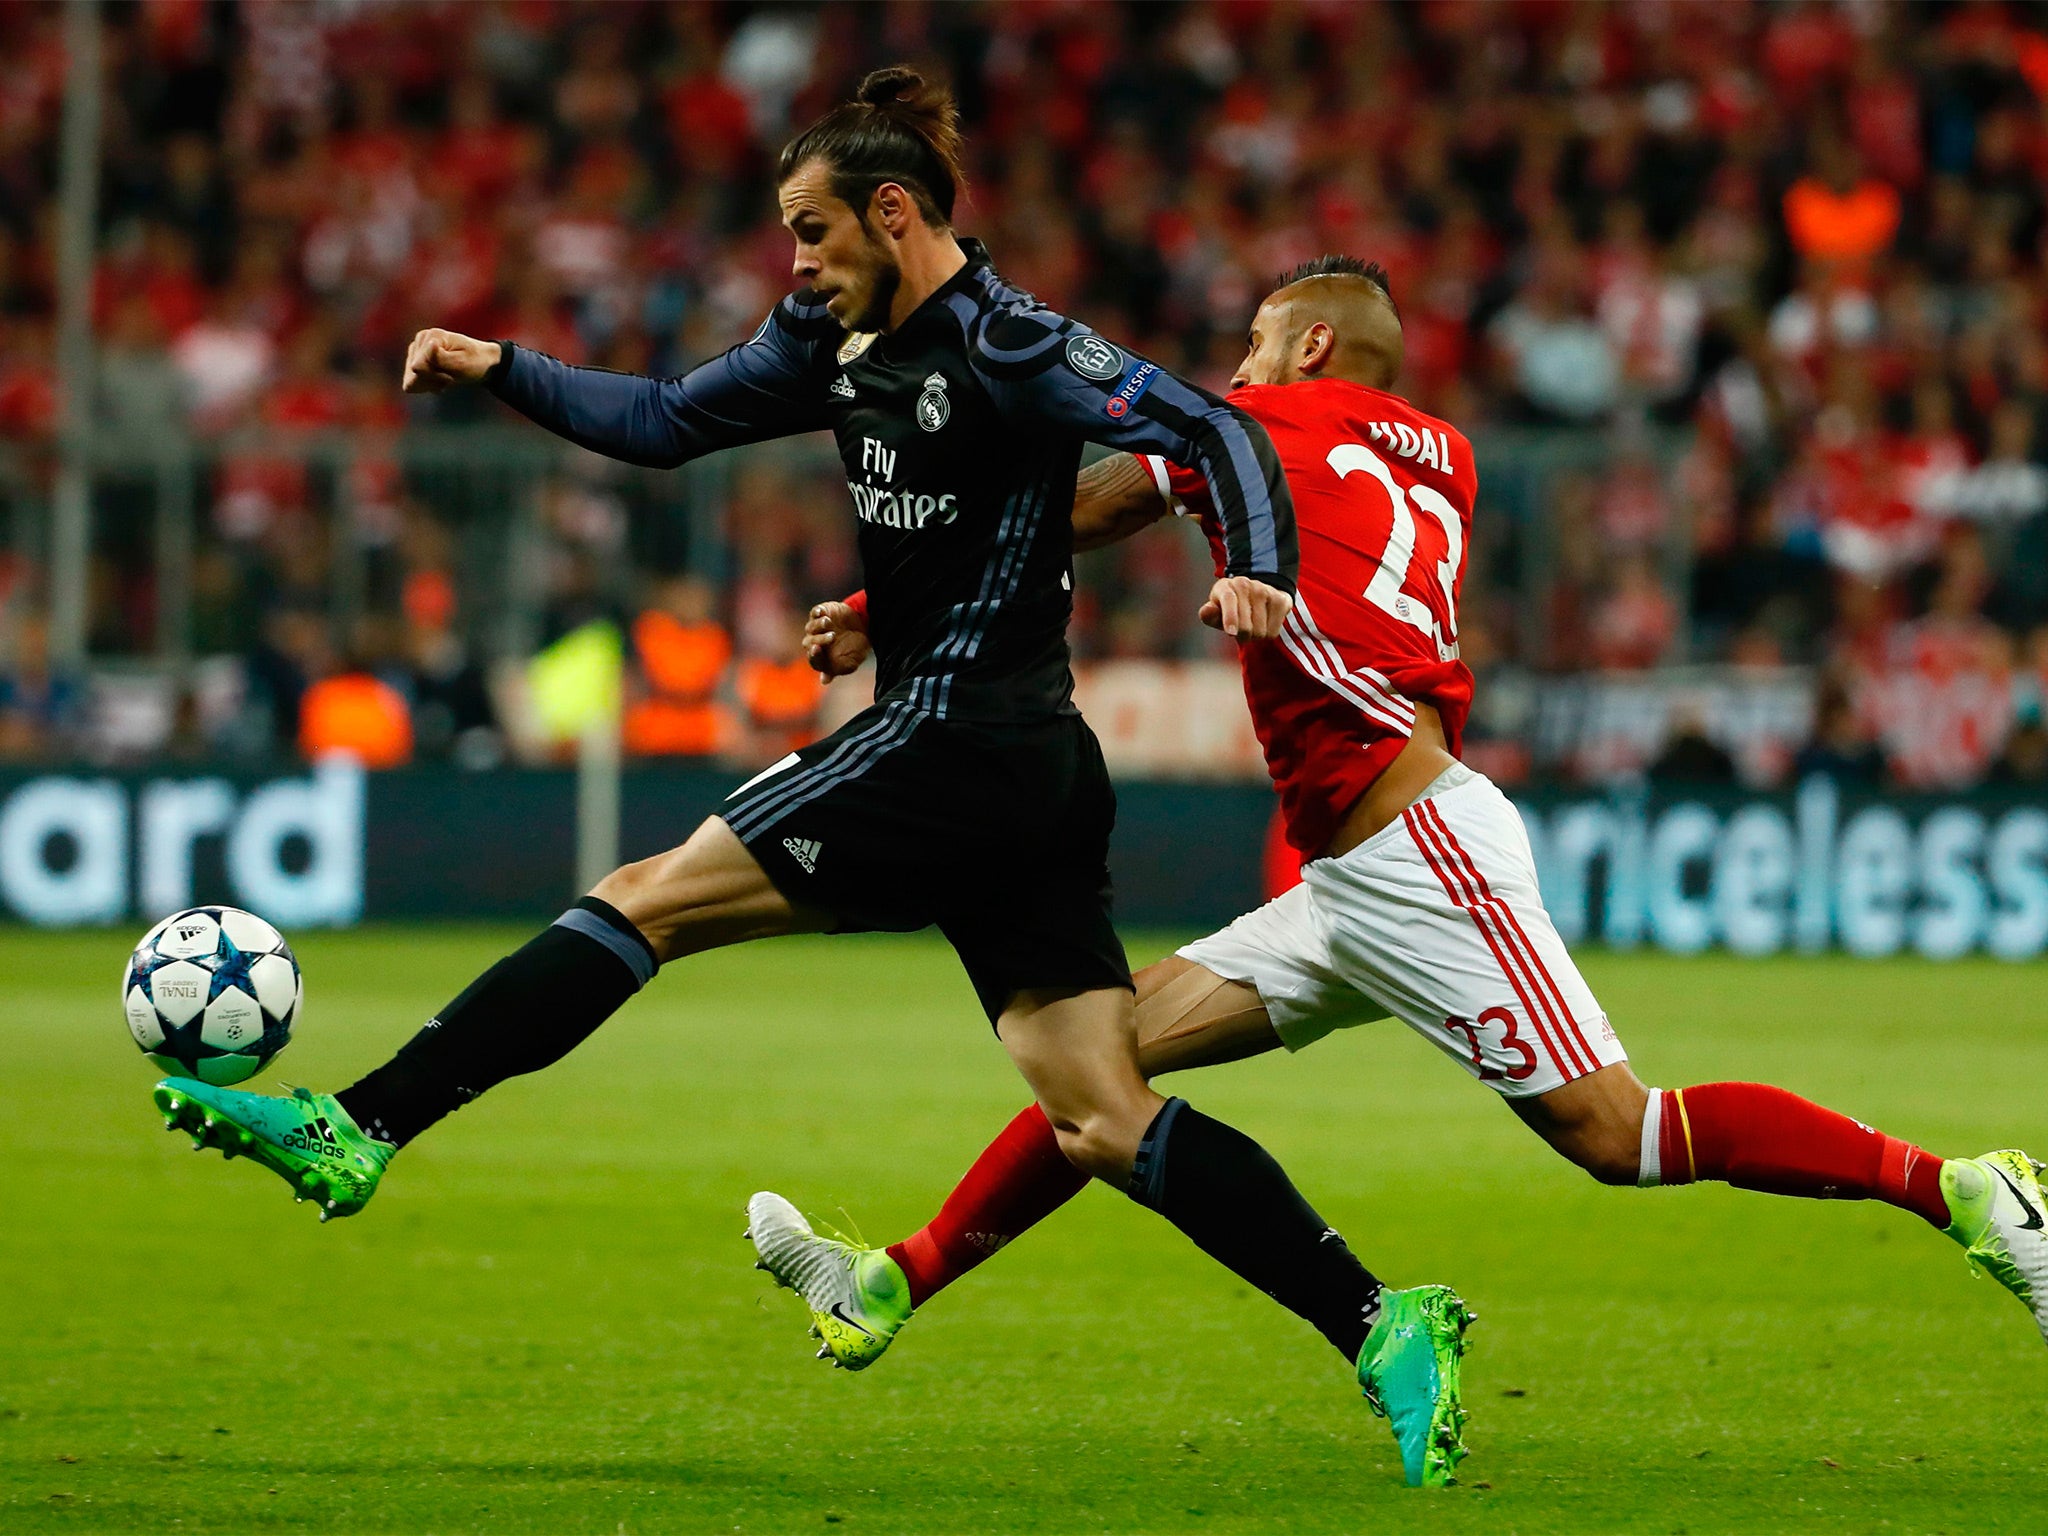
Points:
x=1745, y=308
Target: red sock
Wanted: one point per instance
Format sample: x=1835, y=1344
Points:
x=1758, y=1137
x=1020, y=1178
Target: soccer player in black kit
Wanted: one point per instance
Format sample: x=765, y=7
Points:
x=971, y=796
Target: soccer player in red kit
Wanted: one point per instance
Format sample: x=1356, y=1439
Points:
x=1419, y=897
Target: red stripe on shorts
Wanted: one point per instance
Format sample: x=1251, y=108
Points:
x=1547, y=985
x=1452, y=879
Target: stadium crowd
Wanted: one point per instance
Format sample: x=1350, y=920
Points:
x=1787, y=264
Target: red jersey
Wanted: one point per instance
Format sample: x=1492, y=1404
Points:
x=1383, y=510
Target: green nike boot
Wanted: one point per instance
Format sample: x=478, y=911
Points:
x=1996, y=1211
x=858, y=1296
x=308, y=1139
x=1408, y=1370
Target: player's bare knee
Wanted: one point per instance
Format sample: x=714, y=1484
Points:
x=1609, y=1156
x=1596, y=1121
x=631, y=887
x=1096, y=1143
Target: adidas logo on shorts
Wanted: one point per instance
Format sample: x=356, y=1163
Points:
x=804, y=851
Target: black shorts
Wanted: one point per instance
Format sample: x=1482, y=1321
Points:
x=996, y=834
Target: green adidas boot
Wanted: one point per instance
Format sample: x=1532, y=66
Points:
x=1408, y=1370
x=308, y=1139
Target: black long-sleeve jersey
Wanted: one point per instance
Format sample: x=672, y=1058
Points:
x=961, y=434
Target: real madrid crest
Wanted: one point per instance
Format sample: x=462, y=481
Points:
x=855, y=344
x=932, y=406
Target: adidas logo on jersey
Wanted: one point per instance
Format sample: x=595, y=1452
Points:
x=805, y=851
x=843, y=387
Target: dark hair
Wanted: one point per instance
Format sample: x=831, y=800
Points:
x=899, y=127
x=1341, y=266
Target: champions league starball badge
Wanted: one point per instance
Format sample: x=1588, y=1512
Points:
x=855, y=344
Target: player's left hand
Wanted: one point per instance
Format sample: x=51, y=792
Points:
x=1246, y=609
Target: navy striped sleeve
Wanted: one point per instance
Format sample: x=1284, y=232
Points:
x=766, y=387
x=1039, y=365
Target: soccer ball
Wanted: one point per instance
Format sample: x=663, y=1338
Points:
x=212, y=993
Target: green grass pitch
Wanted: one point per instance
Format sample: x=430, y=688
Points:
x=547, y=1321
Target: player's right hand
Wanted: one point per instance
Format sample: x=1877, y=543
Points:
x=835, y=639
x=1245, y=608
x=438, y=358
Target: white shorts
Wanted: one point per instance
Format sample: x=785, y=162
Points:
x=1435, y=920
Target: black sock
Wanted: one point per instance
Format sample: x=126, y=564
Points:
x=1227, y=1194
x=526, y=1012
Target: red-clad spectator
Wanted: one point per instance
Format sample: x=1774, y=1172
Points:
x=1884, y=116
x=1634, y=506
x=582, y=243
x=451, y=282
x=709, y=125
x=481, y=157
x=306, y=395
x=598, y=97
x=1867, y=525
x=1806, y=45
x=225, y=359
x=1941, y=702
x=375, y=148
x=1634, y=624
x=1932, y=457
x=2030, y=54
x=162, y=267
x=28, y=380
x=1651, y=311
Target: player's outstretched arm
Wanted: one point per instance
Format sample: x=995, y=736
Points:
x=1039, y=365
x=764, y=388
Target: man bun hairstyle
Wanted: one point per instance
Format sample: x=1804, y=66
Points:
x=899, y=127
x=1341, y=266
